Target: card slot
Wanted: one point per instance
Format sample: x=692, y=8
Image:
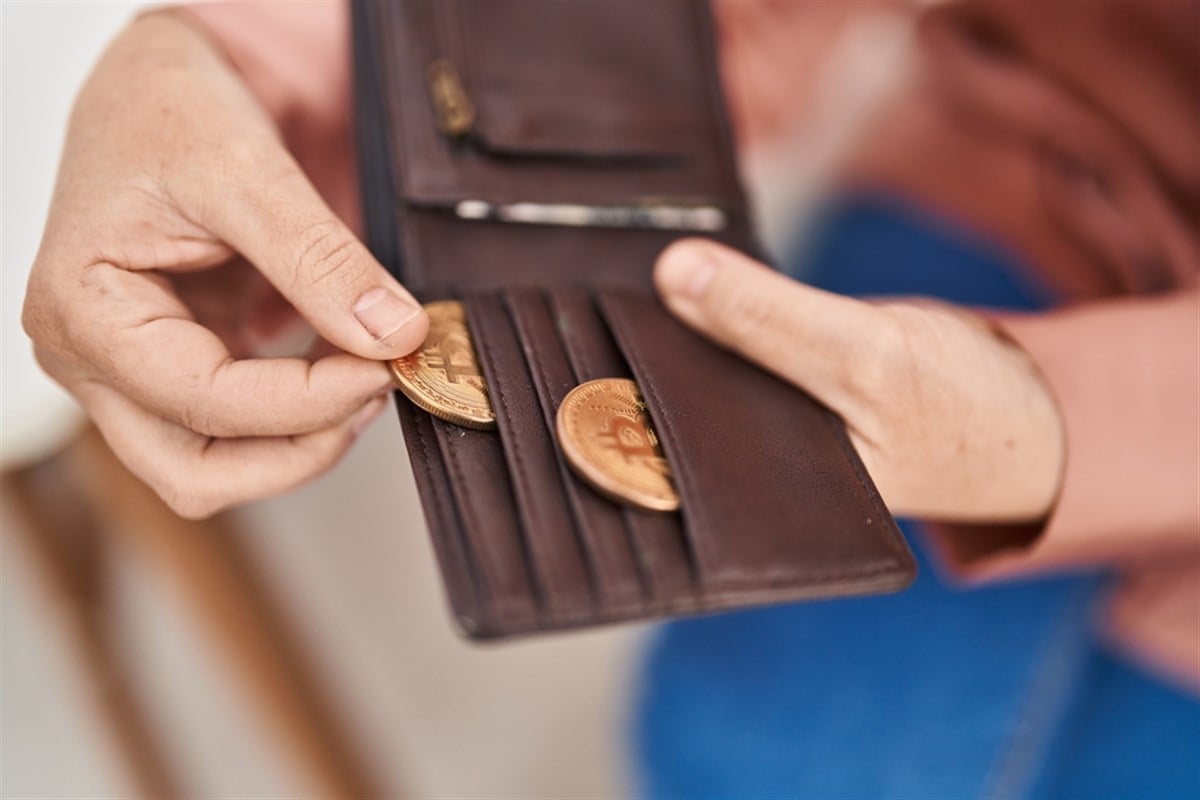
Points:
x=807, y=520
x=614, y=570
x=551, y=539
x=461, y=574
x=663, y=559
x=657, y=540
x=589, y=345
x=484, y=256
x=491, y=526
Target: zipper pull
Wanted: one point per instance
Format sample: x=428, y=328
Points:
x=451, y=104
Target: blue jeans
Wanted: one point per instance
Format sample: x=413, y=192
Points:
x=935, y=692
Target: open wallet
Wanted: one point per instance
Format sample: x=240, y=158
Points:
x=531, y=159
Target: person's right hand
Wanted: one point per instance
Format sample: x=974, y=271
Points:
x=953, y=421
x=176, y=198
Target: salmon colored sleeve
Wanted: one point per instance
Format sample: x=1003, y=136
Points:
x=295, y=57
x=1126, y=375
x=1155, y=616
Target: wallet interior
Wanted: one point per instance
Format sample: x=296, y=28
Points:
x=613, y=103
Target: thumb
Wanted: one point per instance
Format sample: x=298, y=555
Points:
x=814, y=339
x=283, y=227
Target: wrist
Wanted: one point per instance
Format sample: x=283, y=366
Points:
x=1040, y=482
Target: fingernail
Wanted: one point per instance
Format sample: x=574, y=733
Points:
x=686, y=272
x=367, y=414
x=383, y=312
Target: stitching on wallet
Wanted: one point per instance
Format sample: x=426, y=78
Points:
x=439, y=499
x=442, y=508
x=647, y=585
x=570, y=336
x=813, y=578
x=583, y=369
x=615, y=316
x=639, y=366
x=531, y=508
x=533, y=357
x=657, y=591
x=469, y=511
x=504, y=611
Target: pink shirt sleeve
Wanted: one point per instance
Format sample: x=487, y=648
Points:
x=296, y=59
x=1126, y=374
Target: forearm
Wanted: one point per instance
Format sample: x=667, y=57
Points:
x=1126, y=376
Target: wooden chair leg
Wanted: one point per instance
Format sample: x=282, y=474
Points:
x=59, y=546
x=205, y=563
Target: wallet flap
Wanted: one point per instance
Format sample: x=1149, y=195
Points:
x=606, y=80
x=532, y=143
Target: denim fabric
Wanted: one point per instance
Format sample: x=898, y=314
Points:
x=935, y=692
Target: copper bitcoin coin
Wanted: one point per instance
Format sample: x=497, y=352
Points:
x=606, y=435
x=442, y=376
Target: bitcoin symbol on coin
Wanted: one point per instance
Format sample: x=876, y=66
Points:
x=453, y=356
x=605, y=433
x=442, y=376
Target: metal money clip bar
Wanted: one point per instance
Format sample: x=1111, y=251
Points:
x=707, y=219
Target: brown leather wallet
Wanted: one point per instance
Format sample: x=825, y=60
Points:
x=605, y=104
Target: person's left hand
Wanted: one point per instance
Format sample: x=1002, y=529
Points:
x=952, y=420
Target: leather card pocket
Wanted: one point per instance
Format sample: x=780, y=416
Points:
x=806, y=519
x=469, y=601
x=491, y=528
x=657, y=539
x=613, y=567
x=556, y=554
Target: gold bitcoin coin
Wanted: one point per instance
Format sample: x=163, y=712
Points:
x=443, y=376
x=606, y=435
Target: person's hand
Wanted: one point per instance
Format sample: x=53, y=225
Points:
x=181, y=236
x=952, y=421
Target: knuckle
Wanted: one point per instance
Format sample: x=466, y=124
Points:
x=61, y=309
x=204, y=410
x=37, y=313
x=185, y=496
x=199, y=416
x=32, y=318
x=316, y=461
x=321, y=453
x=190, y=505
x=329, y=254
x=179, y=494
x=49, y=364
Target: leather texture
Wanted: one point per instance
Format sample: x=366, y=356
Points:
x=601, y=102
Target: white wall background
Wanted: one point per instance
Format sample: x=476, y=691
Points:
x=49, y=744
